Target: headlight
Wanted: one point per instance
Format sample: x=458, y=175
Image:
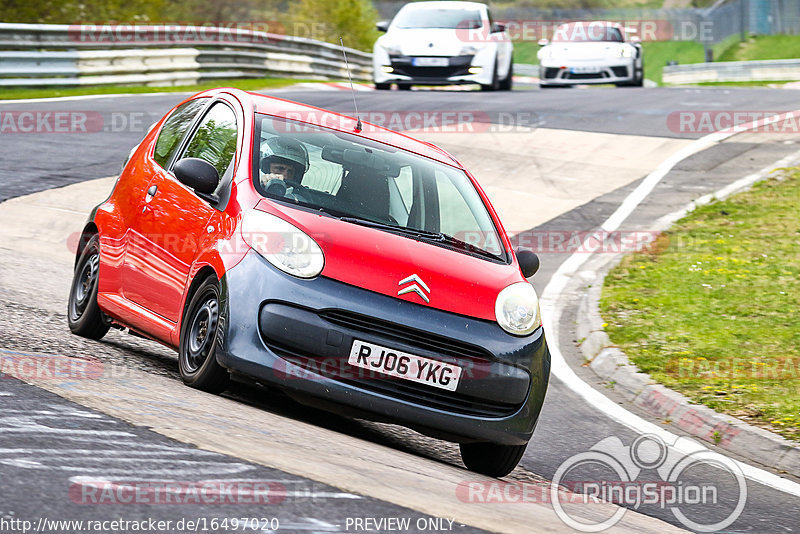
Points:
x=517, y=309
x=626, y=51
x=282, y=244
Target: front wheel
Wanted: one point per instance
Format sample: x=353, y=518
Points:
x=197, y=359
x=491, y=459
x=382, y=86
x=84, y=316
x=495, y=84
x=507, y=83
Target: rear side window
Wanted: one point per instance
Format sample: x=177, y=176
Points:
x=174, y=129
x=215, y=138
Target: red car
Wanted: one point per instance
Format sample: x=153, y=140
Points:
x=353, y=267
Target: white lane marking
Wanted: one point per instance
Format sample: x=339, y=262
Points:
x=219, y=469
x=109, y=452
x=551, y=308
x=45, y=430
x=6, y=394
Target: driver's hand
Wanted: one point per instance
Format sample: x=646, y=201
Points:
x=266, y=178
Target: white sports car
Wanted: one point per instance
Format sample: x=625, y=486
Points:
x=443, y=43
x=590, y=52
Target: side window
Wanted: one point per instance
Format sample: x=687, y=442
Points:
x=174, y=128
x=215, y=138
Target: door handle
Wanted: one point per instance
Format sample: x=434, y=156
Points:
x=151, y=193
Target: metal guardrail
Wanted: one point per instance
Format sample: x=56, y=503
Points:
x=733, y=71
x=45, y=55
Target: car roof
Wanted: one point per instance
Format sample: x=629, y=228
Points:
x=449, y=4
x=280, y=107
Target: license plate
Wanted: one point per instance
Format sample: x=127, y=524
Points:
x=430, y=61
x=584, y=70
x=403, y=365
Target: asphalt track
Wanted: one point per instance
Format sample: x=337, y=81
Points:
x=35, y=162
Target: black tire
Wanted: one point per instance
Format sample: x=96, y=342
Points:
x=491, y=459
x=84, y=316
x=495, y=85
x=198, y=343
x=640, y=80
x=508, y=82
x=403, y=86
x=383, y=86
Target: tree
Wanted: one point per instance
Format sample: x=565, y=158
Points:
x=327, y=20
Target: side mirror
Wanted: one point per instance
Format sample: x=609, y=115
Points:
x=543, y=42
x=528, y=262
x=498, y=28
x=382, y=26
x=199, y=175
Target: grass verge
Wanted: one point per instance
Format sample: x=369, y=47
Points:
x=712, y=308
x=763, y=47
x=256, y=84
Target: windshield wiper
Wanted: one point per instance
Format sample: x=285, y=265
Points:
x=424, y=234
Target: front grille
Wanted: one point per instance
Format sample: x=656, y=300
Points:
x=430, y=72
x=406, y=335
x=620, y=72
x=398, y=388
x=457, y=66
x=586, y=76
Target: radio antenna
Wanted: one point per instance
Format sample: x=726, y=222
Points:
x=352, y=90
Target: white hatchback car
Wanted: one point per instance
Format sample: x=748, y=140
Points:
x=590, y=52
x=443, y=43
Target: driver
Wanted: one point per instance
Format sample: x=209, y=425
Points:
x=284, y=161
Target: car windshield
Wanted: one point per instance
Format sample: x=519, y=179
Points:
x=373, y=184
x=584, y=33
x=438, y=18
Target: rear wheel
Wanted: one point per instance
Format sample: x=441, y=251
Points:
x=198, y=343
x=403, y=86
x=383, y=86
x=83, y=314
x=491, y=459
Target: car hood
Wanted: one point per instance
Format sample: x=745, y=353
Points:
x=427, y=42
x=378, y=261
x=582, y=51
